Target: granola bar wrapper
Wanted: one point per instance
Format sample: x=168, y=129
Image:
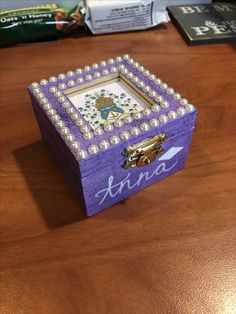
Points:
x=106, y=16
x=38, y=23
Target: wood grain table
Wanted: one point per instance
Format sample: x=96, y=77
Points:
x=170, y=248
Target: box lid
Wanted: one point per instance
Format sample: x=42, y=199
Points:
x=104, y=108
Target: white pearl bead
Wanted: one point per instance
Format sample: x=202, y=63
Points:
x=124, y=135
x=105, y=72
x=43, y=82
x=51, y=112
x=70, y=73
x=62, y=99
x=40, y=96
x=55, y=117
x=103, y=63
x=141, y=84
x=152, y=77
x=88, y=135
x=84, y=128
x=157, y=81
x=74, y=116
x=183, y=101
x=134, y=131
x=140, y=68
x=79, y=71
x=88, y=77
x=58, y=93
x=74, y=145
x=156, y=108
x=97, y=74
x=153, y=94
x=159, y=98
x=126, y=57
x=104, y=144
x=176, y=96
x=108, y=127
x=62, y=86
x=124, y=71
x=69, y=137
x=82, y=154
x=130, y=61
x=136, y=65
x=172, y=114
x=146, y=73
x=144, y=126
x=114, y=139
x=71, y=83
x=190, y=108
x=52, y=89
x=128, y=119
x=52, y=79
x=87, y=68
x=163, y=86
x=130, y=75
x=111, y=61
x=80, y=80
x=95, y=66
x=65, y=104
x=118, y=124
x=61, y=76
x=181, y=111
x=43, y=101
x=147, y=112
x=79, y=122
x=93, y=149
x=121, y=67
x=136, y=79
x=36, y=90
x=113, y=69
x=147, y=88
x=164, y=104
x=47, y=106
x=163, y=118
x=60, y=124
x=64, y=131
x=34, y=84
x=170, y=91
x=118, y=59
x=98, y=131
x=70, y=110
x=153, y=123
x=137, y=115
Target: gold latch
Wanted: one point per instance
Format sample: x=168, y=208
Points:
x=144, y=153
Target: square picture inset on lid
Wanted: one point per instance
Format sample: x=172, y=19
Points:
x=107, y=101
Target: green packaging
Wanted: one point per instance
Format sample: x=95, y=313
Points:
x=39, y=23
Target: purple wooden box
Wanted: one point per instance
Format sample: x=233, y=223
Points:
x=114, y=128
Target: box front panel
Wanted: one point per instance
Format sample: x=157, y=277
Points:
x=113, y=184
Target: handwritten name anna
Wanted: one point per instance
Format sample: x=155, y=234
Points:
x=114, y=189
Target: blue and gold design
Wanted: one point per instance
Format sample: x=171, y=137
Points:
x=104, y=107
x=108, y=108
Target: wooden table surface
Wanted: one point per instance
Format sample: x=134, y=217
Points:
x=170, y=248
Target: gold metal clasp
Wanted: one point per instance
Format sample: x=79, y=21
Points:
x=144, y=153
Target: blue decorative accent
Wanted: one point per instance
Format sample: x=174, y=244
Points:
x=109, y=108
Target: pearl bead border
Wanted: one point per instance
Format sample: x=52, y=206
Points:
x=56, y=120
x=88, y=134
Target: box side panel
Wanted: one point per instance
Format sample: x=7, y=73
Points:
x=114, y=154
x=103, y=188
x=60, y=153
x=109, y=186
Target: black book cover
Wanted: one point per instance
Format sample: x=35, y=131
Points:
x=206, y=24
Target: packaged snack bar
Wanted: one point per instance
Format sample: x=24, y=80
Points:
x=105, y=16
x=39, y=23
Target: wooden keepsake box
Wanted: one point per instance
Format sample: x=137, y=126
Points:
x=113, y=128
